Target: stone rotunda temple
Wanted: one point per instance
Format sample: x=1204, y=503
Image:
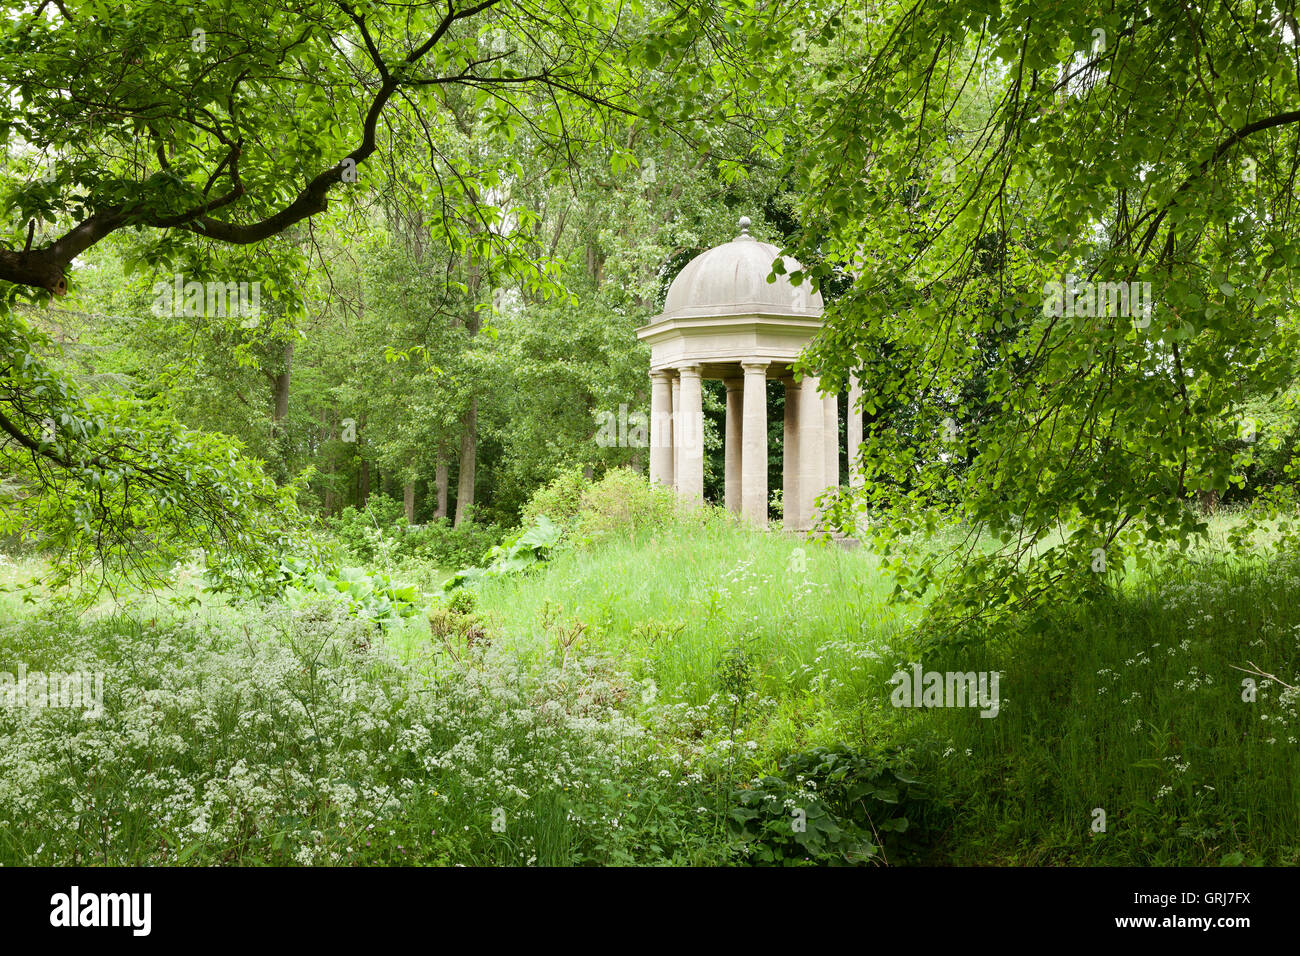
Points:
x=723, y=320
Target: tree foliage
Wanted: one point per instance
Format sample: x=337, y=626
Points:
x=964, y=163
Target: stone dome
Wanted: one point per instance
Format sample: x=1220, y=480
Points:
x=731, y=279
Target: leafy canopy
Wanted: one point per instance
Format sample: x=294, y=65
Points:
x=966, y=162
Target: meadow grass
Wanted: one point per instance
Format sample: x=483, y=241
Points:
x=1129, y=705
x=637, y=687
x=673, y=601
x=1133, y=706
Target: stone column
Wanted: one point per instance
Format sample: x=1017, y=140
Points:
x=753, y=470
x=854, y=425
x=812, y=454
x=831, y=439
x=790, y=458
x=690, y=445
x=661, y=429
x=733, y=443
x=676, y=396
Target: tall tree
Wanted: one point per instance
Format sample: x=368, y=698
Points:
x=1108, y=193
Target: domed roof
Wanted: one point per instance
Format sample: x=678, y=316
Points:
x=731, y=279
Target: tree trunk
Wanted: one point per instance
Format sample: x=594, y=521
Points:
x=363, y=484
x=469, y=430
x=441, y=482
x=280, y=390
x=468, y=450
x=408, y=501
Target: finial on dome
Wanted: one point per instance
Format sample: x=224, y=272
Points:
x=744, y=227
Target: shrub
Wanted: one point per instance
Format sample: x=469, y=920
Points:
x=447, y=547
x=620, y=501
x=531, y=546
x=379, y=532
x=372, y=597
x=559, y=500
x=455, y=626
x=832, y=805
x=358, y=531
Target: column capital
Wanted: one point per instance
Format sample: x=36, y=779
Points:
x=754, y=367
x=692, y=370
x=663, y=374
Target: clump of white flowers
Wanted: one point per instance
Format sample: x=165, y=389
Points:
x=297, y=736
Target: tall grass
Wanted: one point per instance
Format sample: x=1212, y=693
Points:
x=1130, y=705
x=1133, y=706
x=672, y=602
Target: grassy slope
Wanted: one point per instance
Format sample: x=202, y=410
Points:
x=1131, y=707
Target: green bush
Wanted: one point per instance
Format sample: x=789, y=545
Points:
x=620, y=501
x=832, y=805
x=584, y=511
x=455, y=625
x=559, y=500
x=359, y=532
x=379, y=532
x=447, y=547
x=529, y=547
x=371, y=597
